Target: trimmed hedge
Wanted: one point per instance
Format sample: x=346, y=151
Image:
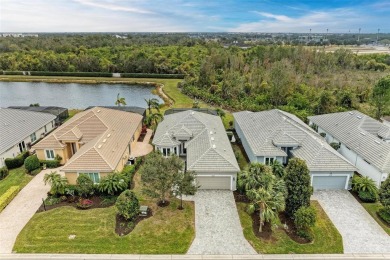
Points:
x=129, y=171
x=367, y=196
x=50, y=163
x=71, y=74
x=8, y=196
x=16, y=162
x=31, y=163
x=152, y=75
x=384, y=213
x=13, y=72
x=3, y=172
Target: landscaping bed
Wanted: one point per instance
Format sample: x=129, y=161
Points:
x=124, y=227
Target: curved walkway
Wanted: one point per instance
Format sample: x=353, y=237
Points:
x=21, y=209
x=217, y=225
x=142, y=148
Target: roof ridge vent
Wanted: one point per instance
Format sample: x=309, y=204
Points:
x=214, y=146
x=104, y=140
x=108, y=135
x=211, y=132
x=212, y=138
x=98, y=111
x=360, y=117
x=351, y=113
x=376, y=141
x=100, y=146
x=363, y=133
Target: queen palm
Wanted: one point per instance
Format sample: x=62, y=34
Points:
x=152, y=104
x=120, y=100
x=154, y=118
x=56, y=181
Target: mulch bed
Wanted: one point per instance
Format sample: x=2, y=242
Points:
x=266, y=233
x=141, y=137
x=291, y=231
x=97, y=203
x=163, y=204
x=124, y=227
x=238, y=197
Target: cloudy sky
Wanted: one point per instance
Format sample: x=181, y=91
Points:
x=194, y=15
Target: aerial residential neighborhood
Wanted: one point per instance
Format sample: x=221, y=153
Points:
x=194, y=129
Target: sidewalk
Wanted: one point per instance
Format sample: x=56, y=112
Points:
x=21, y=209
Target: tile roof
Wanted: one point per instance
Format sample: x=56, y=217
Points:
x=104, y=133
x=16, y=125
x=266, y=130
x=360, y=133
x=209, y=150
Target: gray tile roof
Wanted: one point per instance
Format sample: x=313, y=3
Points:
x=209, y=150
x=17, y=124
x=360, y=133
x=266, y=130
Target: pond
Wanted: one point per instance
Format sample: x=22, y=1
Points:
x=72, y=95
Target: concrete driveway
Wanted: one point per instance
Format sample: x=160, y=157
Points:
x=360, y=232
x=217, y=225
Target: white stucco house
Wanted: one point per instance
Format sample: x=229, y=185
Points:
x=19, y=129
x=199, y=138
x=277, y=135
x=364, y=141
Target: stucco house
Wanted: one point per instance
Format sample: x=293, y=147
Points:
x=364, y=141
x=386, y=120
x=96, y=142
x=277, y=135
x=20, y=129
x=199, y=138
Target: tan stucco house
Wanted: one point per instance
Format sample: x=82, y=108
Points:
x=96, y=142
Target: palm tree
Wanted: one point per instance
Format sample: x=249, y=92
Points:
x=277, y=169
x=269, y=199
x=254, y=176
x=120, y=100
x=153, y=118
x=364, y=184
x=56, y=181
x=220, y=112
x=152, y=104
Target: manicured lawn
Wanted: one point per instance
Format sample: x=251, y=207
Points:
x=242, y=161
x=372, y=208
x=327, y=238
x=16, y=177
x=168, y=231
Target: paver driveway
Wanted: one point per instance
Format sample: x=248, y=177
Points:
x=16, y=215
x=360, y=232
x=217, y=225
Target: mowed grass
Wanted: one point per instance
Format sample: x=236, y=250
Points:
x=372, y=209
x=168, y=231
x=327, y=238
x=16, y=177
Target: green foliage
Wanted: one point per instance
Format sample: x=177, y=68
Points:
x=158, y=175
x=8, y=196
x=364, y=184
x=253, y=177
x=381, y=96
x=277, y=169
x=127, y=205
x=128, y=171
x=57, y=182
x=367, y=196
x=52, y=200
x=3, y=172
x=184, y=184
x=305, y=218
x=153, y=118
x=120, y=101
x=152, y=103
x=50, y=163
x=335, y=146
x=151, y=75
x=113, y=184
x=298, y=186
x=16, y=162
x=85, y=186
x=31, y=163
x=384, y=192
x=70, y=74
x=384, y=213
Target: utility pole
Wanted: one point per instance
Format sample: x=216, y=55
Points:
x=359, y=34
x=377, y=37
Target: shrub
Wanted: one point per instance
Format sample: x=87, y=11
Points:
x=57, y=182
x=13, y=72
x=367, y=196
x=113, y=184
x=127, y=205
x=84, y=204
x=129, y=171
x=323, y=134
x=335, y=146
x=306, y=234
x=8, y=196
x=3, y=172
x=85, y=186
x=71, y=74
x=152, y=75
x=365, y=184
x=31, y=163
x=51, y=200
x=384, y=192
x=50, y=163
x=305, y=218
x=384, y=213
x=16, y=162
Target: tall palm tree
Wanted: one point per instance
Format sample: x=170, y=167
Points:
x=120, y=100
x=154, y=118
x=268, y=198
x=254, y=176
x=56, y=181
x=152, y=104
x=277, y=169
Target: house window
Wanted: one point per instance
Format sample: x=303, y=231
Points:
x=22, y=147
x=50, y=154
x=95, y=176
x=269, y=160
x=33, y=137
x=166, y=151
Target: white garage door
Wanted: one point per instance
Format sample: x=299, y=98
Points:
x=329, y=182
x=214, y=182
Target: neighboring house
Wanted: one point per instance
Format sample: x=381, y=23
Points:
x=96, y=142
x=201, y=139
x=386, y=120
x=61, y=113
x=364, y=141
x=138, y=110
x=19, y=129
x=277, y=135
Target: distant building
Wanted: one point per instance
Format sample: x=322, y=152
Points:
x=61, y=113
x=19, y=129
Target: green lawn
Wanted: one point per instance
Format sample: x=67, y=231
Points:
x=16, y=177
x=242, y=161
x=372, y=208
x=327, y=238
x=168, y=231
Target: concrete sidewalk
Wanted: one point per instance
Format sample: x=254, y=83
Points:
x=21, y=209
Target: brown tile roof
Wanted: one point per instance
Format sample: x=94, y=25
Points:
x=105, y=134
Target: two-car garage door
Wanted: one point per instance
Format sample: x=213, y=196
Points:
x=214, y=182
x=329, y=182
